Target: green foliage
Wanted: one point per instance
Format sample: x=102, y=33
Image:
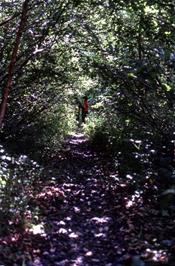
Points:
x=123, y=52
x=53, y=128
x=17, y=178
x=95, y=129
x=120, y=54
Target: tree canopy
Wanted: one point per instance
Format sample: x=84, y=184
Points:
x=120, y=54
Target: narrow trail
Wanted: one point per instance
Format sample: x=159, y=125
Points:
x=89, y=216
x=81, y=231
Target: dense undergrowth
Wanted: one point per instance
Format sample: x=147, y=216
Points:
x=19, y=174
x=121, y=56
x=139, y=153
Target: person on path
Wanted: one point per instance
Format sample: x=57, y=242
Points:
x=85, y=108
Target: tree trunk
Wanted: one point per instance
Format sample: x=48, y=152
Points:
x=140, y=38
x=12, y=63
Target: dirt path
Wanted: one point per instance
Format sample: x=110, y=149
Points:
x=89, y=216
x=81, y=232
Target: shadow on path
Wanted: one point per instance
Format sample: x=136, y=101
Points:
x=83, y=235
x=91, y=217
x=80, y=231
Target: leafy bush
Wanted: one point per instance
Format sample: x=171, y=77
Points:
x=17, y=178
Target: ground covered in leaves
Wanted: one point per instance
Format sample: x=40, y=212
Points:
x=90, y=216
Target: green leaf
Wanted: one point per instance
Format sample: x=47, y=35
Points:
x=167, y=87
x=131, y=75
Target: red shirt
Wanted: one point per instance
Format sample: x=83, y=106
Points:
x=86, y=106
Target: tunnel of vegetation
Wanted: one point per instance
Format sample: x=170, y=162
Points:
x=121, y=54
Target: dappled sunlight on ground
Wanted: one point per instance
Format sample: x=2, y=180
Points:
x=76, y=138
x=90, y=216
